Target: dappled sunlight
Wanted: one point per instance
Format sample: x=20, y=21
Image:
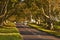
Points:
x=45, y=30
x=29, y=17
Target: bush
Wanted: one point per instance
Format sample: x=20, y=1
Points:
x=10, y=25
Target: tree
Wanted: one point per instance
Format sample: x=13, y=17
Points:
x=6, y=9
x=46, y=9
x=49, y=12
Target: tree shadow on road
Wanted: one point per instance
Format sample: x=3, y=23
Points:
x=38, y=39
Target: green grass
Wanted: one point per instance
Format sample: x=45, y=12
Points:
x=45, y=30
x=10, y=33
x=10, y=24
x=10, y=37
x=8, y=30
x=57, y=26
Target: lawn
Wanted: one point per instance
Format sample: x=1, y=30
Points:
x=8, y=30
x=45, y=30
x=10, y=37
x=9, y=33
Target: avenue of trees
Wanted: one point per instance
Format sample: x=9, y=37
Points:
x=42, y=11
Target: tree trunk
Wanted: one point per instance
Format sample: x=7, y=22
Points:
x=1, y=22
x=51, y=28
x=50, y=24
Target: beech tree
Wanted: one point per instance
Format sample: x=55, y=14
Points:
x=7, y=10
x=45, y=10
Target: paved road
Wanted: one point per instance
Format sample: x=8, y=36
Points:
x=33, y=34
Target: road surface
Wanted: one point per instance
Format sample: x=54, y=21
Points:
x=34, y=34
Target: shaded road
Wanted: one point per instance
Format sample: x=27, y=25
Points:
x=33, y=34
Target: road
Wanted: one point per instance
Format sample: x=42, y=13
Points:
x=34, y=34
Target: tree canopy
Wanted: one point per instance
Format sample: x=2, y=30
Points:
x=39, y=10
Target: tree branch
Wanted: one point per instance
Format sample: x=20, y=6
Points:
x=44, y=13
x=5, y=11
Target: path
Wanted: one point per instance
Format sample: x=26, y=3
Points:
x=33, y=34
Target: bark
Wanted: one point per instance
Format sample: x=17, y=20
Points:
x=0, y=21
x=4, y=12
x=50, y=24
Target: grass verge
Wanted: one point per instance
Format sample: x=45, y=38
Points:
x=10, y=33
x=8, y=30
x=10, y=37
x=45, y=30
